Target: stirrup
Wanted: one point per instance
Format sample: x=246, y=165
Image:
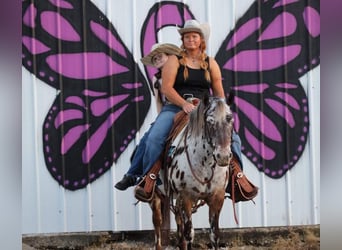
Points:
x=140, y=193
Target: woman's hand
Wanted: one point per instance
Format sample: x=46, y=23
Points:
x=188, y=107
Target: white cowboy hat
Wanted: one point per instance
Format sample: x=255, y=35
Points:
x=194, y=26
x=167, y=48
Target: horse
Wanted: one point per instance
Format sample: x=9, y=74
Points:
x=197, y=170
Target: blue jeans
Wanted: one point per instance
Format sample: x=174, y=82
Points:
x=153, y=142
x=236, y=147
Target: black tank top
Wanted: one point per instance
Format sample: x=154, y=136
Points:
x=195, y=85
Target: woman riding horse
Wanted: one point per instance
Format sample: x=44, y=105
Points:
x=192, y=74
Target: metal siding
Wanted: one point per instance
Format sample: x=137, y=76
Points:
x=47, y=207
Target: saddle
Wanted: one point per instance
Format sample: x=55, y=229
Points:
x=145, y=189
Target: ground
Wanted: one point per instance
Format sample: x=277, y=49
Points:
x=289, y=238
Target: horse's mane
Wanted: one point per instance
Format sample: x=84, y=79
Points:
x=196, y=119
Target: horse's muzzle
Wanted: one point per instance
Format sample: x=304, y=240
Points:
x=222, y=160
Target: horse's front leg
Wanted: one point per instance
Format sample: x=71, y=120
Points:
x=180, y=223
x=215, y=205
x=157, y=219
x=189, y=232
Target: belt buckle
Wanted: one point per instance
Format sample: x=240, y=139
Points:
x=188, y=97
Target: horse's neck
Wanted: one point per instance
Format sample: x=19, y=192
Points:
x=199, y=149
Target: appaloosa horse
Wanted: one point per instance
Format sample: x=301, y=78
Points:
x=198, y=170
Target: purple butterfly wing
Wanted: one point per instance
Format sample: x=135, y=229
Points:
x=273, y=44
x=102, y=98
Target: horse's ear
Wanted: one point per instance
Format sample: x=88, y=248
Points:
x=206, y=99
x=230, y=98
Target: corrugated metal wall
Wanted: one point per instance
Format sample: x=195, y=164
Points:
x=59, y=27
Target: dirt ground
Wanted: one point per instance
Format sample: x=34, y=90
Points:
x=289, y=238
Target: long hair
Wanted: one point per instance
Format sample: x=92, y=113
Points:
x=203, y=63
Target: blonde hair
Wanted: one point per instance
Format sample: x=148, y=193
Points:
x=203, y=63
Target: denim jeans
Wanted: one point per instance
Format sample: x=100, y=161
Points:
x=153, y=142
x=236, y=147
x=136, y=167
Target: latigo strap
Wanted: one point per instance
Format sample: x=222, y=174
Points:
x=239, y=187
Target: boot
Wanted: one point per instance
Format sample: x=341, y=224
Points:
x=126, y=182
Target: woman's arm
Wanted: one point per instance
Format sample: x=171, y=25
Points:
x=157, y=94
x=216, y=78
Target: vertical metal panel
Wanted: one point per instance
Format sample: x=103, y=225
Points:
x=47, y=207
x=30, y=202
x=314, y=145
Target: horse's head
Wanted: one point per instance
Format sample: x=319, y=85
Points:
x=216, y=118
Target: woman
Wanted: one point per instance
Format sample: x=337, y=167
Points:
x=193, y=73
x=157, y=58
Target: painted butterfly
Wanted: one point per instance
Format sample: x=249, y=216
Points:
x=72, y=46
x=99, y=85
x=262, y=59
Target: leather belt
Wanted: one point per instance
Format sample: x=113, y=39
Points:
x=187, y=97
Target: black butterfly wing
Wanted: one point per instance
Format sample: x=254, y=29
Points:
x=102, y=97
x=273, y=44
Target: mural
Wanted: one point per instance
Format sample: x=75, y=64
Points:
x=262, y=59
x=103, y=98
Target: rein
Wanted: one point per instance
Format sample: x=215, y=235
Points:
x=191, y=167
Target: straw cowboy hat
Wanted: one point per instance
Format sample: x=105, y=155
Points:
x=195, y=26
x=167, y=48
